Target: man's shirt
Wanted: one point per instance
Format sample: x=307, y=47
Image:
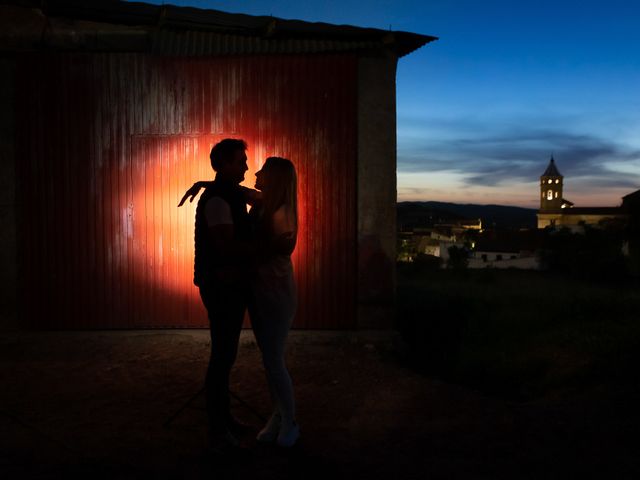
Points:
x=217, y=212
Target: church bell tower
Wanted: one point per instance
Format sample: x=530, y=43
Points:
x=551, y=188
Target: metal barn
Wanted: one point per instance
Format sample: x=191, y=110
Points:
x=113, y=108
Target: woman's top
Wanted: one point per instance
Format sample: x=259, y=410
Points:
x=277, y=240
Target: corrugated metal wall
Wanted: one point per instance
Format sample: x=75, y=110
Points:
x=107, y=143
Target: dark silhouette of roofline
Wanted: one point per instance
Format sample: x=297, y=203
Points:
x=170, y=18
x=631, y=195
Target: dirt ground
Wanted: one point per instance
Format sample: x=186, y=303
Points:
x=93, y=404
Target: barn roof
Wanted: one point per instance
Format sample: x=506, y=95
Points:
x=631, y=202
x=108, y=25
x=633, y=196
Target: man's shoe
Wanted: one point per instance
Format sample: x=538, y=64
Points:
x=223, y=440
x=288, y=435
x=269, y=433
x=236, y=427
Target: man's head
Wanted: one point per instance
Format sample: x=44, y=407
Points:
x=229, y=159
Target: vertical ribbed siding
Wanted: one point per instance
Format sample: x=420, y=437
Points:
x=110, y=141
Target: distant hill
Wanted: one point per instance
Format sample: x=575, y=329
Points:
x=427, y=214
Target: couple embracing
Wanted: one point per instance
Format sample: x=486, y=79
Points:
x=243, y=262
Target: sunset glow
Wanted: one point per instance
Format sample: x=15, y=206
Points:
x=159, y=233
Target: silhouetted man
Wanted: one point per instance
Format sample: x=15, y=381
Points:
x=222, y=232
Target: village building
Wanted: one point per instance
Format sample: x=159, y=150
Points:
x=558, y=212
x=506, y=249
x=109, y=112
x=436, y=240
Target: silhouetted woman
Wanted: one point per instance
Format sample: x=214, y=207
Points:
x=274, y=292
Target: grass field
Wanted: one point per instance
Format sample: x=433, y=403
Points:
x=520, y=334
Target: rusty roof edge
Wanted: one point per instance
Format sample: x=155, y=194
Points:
x=170, y=17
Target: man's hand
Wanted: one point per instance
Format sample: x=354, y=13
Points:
x=251, y=196
x=193, y=192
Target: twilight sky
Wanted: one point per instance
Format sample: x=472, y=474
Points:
x=481, y=110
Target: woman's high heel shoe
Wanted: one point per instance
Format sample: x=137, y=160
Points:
x=288, y=435
x=269, y=433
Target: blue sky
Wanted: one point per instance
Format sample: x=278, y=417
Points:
x=509, y=83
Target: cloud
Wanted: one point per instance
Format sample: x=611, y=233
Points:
x=616, y=182
x=519, y=154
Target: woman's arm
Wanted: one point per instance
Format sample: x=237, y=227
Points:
x=285, y=231
x=194, y=191
x=283, y=244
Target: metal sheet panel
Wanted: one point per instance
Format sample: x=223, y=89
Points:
x=190, y=42
x=108, y=143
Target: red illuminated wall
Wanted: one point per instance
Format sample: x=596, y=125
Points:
x=107, y=144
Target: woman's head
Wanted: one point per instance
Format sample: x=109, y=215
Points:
x=278, y=182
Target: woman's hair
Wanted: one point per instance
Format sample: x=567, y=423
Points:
x=281, y=187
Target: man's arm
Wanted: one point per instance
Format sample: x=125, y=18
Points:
x=193, y=191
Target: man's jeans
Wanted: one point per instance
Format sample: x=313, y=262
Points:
x=226, y=305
